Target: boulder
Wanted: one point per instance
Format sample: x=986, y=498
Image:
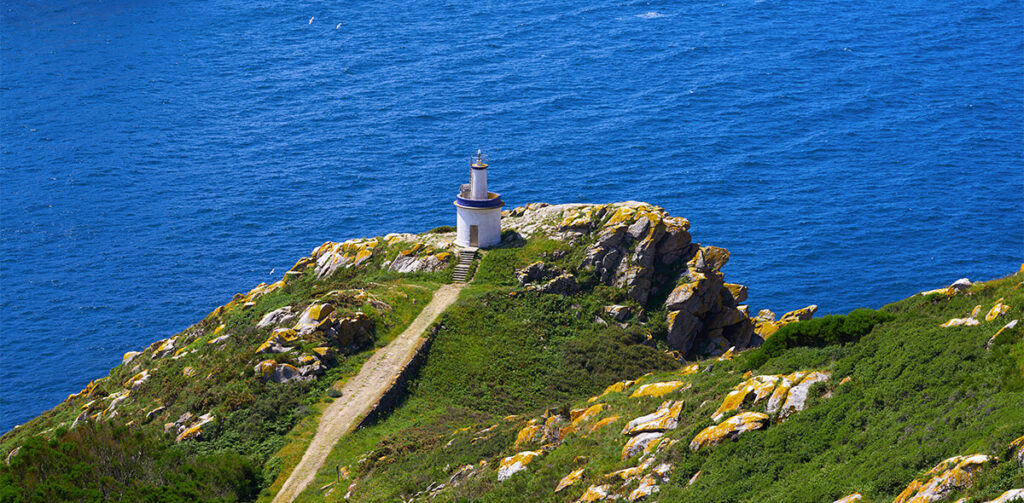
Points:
x=651, y=482
x=997, y=310
x=968, y=321
x=619, y=313
x=165, y=348
x=948, y=476
x=136, y=380
x=531, y=431
x=1001, y=334
x=594, y=493
x=129, y=356
x=280, y=373
x=1008, y=496
x=797, y=397
x=537, y=271
x=516, y=463
x=752, y=390
x=602, y=423
x=960, y=285
x=570, y=479
x=276, y=317
x=315, y=317
x=801, y=314
x=665, y=418
x=564, y=284
x=425, y=263
x=642, y=443
x=274, y=344
x=728, y=429
x=657, y=389
x=194, y=430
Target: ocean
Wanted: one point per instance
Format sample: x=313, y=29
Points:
x=157, y=157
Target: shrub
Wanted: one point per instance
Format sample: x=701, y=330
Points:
x=444, y=229
x=818, y=332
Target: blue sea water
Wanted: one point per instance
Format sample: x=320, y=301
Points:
x=156, y=157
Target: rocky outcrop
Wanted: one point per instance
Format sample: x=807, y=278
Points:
x=958, y=286
x=1001, y=334
x=657, y=389
x=543, y=278
x=420, y=258
x=570, y=479
x=665, y=418
x=967, y=321
x=276, y=317
x=952, y=474
x=195, y=429
x=997, y=310
x=281, y=373
x=516, y=463
x=728, y=429
x=640, y=248
x=642, y=443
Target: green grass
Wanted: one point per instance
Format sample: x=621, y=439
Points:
x=253, y=417
x=918, y=394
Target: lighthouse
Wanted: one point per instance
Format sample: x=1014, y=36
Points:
x=478, y=211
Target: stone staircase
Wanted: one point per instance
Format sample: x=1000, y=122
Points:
x=466, y=256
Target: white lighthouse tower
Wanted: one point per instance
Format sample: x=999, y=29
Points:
x=478, y=211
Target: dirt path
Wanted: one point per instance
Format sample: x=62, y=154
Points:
x=363, y=391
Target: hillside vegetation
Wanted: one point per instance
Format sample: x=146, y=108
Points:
x=598, y=354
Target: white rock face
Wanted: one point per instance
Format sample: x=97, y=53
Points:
x=276, y=317
x=1008, y=496
x=797, y=399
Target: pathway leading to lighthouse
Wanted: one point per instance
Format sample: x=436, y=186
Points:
x=363, y=391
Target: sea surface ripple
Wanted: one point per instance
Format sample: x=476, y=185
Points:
x=157, y=157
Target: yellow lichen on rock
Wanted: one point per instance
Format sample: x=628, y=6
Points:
x=642, y=443
x=730, y=428
x=1008, y=496
x=1018, y=445
x=997, y=310
x=657, y=389
x=802, y=314
x=849, y=499
x=188, y=371
x=631, y=472
x=579, y=416
x=528, y=433
x=594, y=493
x=761, y=386
x=136, y=380
x=954, y=473
x=515, y=463
x=265, y=368
x=602, y=423
x=689, y=369
x=968, y=321
x=570, y=479
x=618, y=387
x=665, y=418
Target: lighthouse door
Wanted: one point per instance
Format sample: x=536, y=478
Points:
x=474, y=235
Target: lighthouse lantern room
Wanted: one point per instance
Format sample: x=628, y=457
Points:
x=478, y=211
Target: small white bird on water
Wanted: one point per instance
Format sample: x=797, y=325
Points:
x=311, y=19
x=339, y=26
